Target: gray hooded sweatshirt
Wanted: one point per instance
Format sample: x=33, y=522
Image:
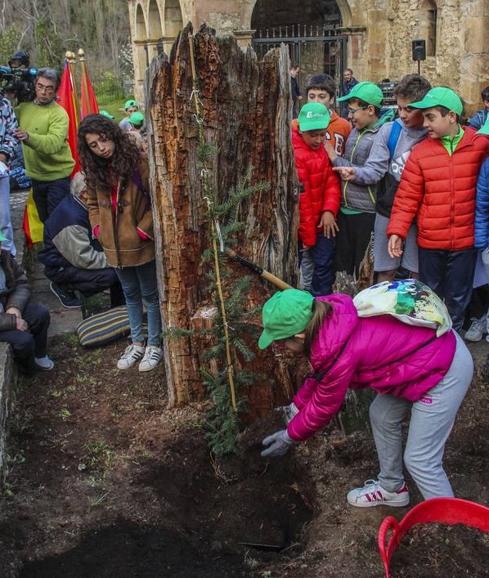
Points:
x=380, y=168
x=355, y=195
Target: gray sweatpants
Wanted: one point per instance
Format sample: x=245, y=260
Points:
x=432, y=419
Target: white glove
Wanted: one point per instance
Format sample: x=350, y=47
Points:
x=485, y=256
x=288, y=412
x=277, y=444
x=3, y=169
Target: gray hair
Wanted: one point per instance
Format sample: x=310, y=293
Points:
x=49, y=74
x=78, y=184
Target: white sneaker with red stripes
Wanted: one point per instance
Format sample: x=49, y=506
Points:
x=373, y=494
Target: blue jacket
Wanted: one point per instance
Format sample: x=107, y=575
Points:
x=482, y=207
x=68, y=238
x=478, y=120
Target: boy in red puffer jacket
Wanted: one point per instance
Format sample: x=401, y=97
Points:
x=320, y=199
x=438, y=188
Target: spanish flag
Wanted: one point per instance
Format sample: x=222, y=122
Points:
x=88, y=99
x=67, y=99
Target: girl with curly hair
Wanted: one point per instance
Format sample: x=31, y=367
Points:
x=120, y=213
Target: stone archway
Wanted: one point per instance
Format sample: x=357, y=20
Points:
x=173, y=18
x=310, y=28
x=154, y=21
x=342, y=5
x=141, y=37
x=155, y=29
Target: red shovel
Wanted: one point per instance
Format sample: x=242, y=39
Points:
x=442, y=510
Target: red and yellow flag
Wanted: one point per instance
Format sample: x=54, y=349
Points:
x=67, y=99
x=88, y=99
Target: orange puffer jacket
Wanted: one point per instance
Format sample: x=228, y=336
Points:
x=439, y=190
x=321, y=190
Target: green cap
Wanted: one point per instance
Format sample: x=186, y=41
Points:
x=130, y=103
x=313, y=116
x=2, y=237
x=441, y=96
x=106, y=114
x=136, y=118
x=366, y=91
x=284, y=315
x=485, y=128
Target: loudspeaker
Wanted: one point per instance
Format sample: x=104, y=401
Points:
x=419, y=50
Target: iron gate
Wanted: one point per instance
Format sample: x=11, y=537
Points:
x=316, y=49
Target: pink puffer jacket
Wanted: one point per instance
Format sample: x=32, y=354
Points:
x=378, y=352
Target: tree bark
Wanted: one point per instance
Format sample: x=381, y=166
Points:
x=247, y=110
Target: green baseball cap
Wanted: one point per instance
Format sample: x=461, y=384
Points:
x=313, y=116
x=284, y=315
x=441, y=96
x=485, y=128
x=369, y=92
x=106, y=114
x=136, y=118
x=130, y=103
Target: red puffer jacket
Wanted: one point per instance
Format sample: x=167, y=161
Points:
x=321, y=187
x=440, y=190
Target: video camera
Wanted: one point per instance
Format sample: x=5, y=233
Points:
x=20, y=81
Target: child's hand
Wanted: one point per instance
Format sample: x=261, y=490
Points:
x=328, y=225
x=330, y=150
x=394, y=247
x=346, y=173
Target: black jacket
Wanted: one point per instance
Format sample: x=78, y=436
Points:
x=17, y=292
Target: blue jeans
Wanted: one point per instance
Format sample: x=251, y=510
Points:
x=139, y=286
x=48, y=195
x=5, y=222
x=32, y=343
x=450, y=274
x=322, y=255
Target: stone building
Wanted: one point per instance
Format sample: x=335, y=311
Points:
x=373, y=37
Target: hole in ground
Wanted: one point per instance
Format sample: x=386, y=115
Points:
x=217, y=519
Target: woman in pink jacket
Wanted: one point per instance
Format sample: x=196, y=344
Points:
x=409, y=368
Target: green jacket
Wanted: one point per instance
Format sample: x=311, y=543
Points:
x=47, y=154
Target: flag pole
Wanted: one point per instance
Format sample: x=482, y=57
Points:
x=83, y=66
x=71, y=58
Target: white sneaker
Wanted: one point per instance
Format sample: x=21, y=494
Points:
x=476, y=329
x=373, y=494
x=152, y=356
x=44, y=363
x=132, y=354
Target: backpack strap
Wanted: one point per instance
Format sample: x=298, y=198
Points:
x=394, y=137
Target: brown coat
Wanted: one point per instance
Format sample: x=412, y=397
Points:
x=118, y=234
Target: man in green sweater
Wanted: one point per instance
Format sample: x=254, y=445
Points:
x=44, y=132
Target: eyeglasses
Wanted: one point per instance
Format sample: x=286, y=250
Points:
x=43, y=88
x=354, y=110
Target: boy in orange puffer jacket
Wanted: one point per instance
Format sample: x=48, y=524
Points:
x=320, y=200
x=438, y=188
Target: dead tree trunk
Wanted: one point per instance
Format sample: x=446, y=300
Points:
x=247, y=107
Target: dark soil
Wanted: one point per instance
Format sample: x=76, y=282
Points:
x=105, y=481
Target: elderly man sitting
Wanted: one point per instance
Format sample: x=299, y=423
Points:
x=72, y=257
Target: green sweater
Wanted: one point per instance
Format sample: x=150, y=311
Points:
x=47, y=155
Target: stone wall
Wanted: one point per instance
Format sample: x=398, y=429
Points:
x=7, y=382
x=379, y=32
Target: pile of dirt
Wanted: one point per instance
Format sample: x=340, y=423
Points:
x=106, y=481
